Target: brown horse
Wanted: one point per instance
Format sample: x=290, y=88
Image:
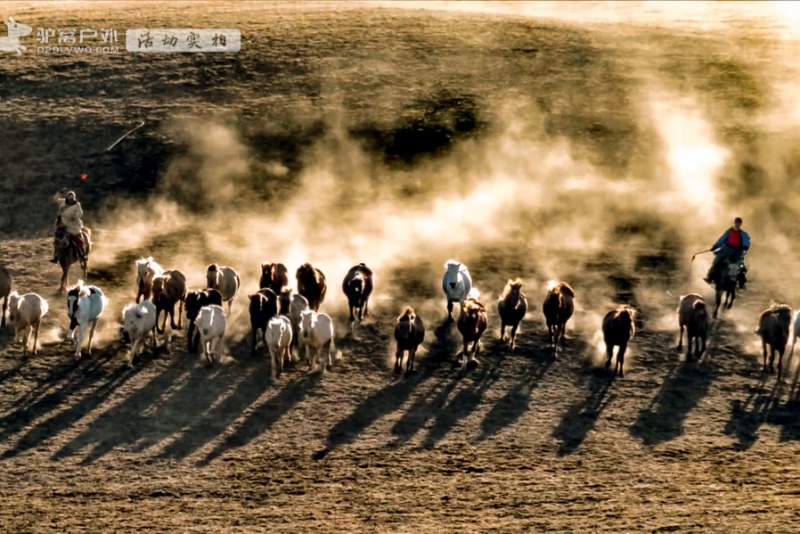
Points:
x=68, y=254
x=311, y=284
x=693, y=315
x=472, y=323
x=558, y=308
x=618, y=329
x=409, y=333
x=5, y=290
x=169, y=289
x=274, y=276
x=512, y=307
x=773, y=327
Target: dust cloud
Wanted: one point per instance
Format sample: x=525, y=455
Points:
x=514, y=201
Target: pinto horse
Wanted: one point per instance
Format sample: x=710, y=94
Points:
x=357, y=286
x=558, y=307
x=618, y=330
x=512, y=307
x=472, y=323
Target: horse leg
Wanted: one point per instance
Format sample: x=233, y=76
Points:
x=5, y=307
x=412, y=353
x=352, y=321
x=172, y=316
x=680, y=339
x=79, y=341
x=562, y=327
x=398, y=360
x=64, y=277
x=718, y=299
x=180, y=315
x=771, y=359
x=327, y=348
x=513, y=335
x=780, y=361
x=132, y=353
x=25, y=340
x=450, y=310
x=621, y=359
x=764, y=348
x=254, y=336
x=36, y=336
x=91, y=336
x=502, y=329
x=730, y=298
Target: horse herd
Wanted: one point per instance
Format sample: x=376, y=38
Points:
x=290, y=322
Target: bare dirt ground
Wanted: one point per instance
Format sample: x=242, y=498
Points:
x=528, y=441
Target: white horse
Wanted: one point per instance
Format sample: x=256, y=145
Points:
x=317, y=331
x=85, y=305
x=456, y=284
x=225, y=280
x=138, y=320
x=15, y=31
x=27, y=312
x=795, y=332
x=279, y=338
x=211, y=323
x=146, y=271
x=298, y=305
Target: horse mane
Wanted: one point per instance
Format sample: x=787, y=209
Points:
x=565, y=288
x=213, y=267
x=408, y=314
x=78, y=290
x=366, y=270
x=470, y=304
x=510, y=285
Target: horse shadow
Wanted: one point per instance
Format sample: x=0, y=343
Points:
x=582, y=416
x=264, y=416
x=64, y=382
x=392, y=396
x=517, y=401
x=183, y=399
x=67, y=418
x=748, y=416
x=681, y=391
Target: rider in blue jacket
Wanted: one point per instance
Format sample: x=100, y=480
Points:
x=731, y=246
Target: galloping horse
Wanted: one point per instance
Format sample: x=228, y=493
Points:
x=68, y=254
x=725, y=282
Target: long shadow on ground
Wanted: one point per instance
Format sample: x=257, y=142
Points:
x=582, y=416
x=63, y=383
x=173, y=402
x=517, y=401
x=56, y=424
x=391, y=397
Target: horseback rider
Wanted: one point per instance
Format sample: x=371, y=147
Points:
x=69, y=225
x=731, y=246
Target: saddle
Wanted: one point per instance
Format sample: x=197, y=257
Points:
x=79, y=243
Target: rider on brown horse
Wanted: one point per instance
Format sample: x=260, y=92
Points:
x=69, y=226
